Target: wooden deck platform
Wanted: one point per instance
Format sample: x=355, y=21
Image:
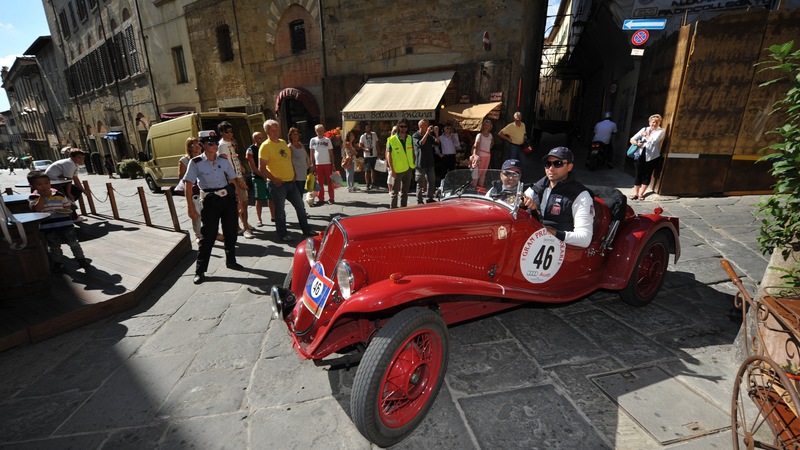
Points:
x=127, y=260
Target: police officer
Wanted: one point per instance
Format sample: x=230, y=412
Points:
x=215, y=177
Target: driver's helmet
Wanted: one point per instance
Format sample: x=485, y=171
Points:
x=606, y=115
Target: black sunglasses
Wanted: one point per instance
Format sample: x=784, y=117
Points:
x=402, y=126
x=510, y=173
x=557, y=164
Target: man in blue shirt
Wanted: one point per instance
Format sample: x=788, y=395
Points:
x=215, y=177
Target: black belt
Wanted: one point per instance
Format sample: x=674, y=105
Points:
x=214, y=190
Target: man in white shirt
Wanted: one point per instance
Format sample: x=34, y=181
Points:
x=567, y=206
x=448, y=146
x=227, y=150
x=369, y=145
x=322, y=162
x=603, y=132
x=67, y=169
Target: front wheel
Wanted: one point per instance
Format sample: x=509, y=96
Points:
x=151, y=183
x=648, y=273
x=399, y=376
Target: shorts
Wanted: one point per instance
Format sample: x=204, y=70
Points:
x=369, y=163
x=260, y=190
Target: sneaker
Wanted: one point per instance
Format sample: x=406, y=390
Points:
x=260, y=223
x=248, y=234
x=234, y=266
x=80, y=219
x=331, y=202
x=83, y=263
x=286, y=238
x=356, y=189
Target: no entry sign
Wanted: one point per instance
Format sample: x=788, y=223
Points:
x=640, y=37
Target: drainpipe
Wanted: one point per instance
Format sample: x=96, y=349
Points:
x=147, y=58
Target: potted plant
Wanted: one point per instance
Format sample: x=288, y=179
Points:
x=130, y=168
x=780, y=212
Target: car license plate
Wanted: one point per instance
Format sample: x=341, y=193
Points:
x=318, y=289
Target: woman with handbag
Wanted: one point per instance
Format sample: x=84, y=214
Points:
x=648, y=140
x=348, y=161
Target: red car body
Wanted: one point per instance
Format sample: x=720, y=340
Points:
x=463, y=258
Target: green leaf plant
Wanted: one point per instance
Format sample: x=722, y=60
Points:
x=780, y=212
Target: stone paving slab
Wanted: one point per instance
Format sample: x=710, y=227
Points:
x=534, y=417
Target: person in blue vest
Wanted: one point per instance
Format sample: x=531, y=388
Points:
x=215, y=177
x=401, y=149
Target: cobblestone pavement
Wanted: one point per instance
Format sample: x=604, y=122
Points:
x=203, y=367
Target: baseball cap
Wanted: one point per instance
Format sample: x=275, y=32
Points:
x=512, y=164
x=560, y=153
x=207, y=136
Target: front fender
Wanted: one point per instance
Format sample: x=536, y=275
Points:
x=631, y=239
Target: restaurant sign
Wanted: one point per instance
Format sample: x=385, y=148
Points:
x=389, y=115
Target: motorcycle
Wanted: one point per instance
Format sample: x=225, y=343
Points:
x=597, y=156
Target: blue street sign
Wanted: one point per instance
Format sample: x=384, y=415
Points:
x=644, y=24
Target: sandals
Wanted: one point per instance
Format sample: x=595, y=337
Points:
x=634, y=197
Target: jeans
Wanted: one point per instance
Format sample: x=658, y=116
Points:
x=515, y=152
x=62, y=235
x=287, y=191
x=351, y=176
x=426, y=183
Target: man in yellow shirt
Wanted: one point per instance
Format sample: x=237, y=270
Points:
x=275, y=162
x=516, y=135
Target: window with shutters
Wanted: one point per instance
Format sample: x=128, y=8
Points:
x=62, y=19
x=130, y=46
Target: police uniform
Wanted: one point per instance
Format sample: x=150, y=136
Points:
x=219, y=205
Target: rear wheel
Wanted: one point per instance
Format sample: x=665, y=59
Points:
x=648, y=273
x=399, y=376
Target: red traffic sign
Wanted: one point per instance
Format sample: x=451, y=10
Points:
x=640, y=37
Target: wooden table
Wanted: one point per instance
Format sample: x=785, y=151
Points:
x=17, y=203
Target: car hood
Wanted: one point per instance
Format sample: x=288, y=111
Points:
x=447, y=215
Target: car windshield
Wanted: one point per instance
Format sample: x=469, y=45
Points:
x=465, y=184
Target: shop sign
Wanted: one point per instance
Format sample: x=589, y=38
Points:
x=662, y=8
x=496, y=97
x=389, y=115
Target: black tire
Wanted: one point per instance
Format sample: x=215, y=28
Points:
x=416, y=332
x=152, y=184
x=287, y=282
x=648, y=273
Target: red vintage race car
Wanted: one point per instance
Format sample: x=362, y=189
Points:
x=381, y=288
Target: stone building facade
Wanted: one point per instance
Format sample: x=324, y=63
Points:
x=106, y=71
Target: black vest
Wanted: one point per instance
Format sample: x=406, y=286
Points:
x=557, y=213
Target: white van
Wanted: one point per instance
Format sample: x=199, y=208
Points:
x=166, y=142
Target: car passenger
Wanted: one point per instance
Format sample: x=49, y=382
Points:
x=506, y=187
x=567, y=206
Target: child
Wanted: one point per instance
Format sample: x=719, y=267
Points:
x=58, y=228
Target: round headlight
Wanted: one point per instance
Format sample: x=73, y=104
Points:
x=344, y=277
x=311, y=251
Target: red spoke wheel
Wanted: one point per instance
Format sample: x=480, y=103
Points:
x=399, y=376
x=764, y=407
x=648, y=274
